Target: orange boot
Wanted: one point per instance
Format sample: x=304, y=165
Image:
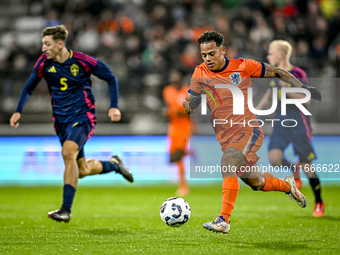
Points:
x=319, y=209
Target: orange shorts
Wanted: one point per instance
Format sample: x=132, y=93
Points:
x=179, y=135
x=178, y=141
x=247, y=140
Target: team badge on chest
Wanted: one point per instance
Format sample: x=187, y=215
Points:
x=235, y=78
x=74, y=69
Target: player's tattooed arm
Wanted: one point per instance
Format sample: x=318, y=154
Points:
x=275, y=72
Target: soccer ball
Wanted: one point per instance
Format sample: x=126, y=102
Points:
x=175, y=212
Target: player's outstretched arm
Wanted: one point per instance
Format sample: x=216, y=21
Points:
x=14, y=120
x=275, y=72
x=114, y=114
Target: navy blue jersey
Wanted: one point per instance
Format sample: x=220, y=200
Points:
x=292, y=111
x=70, y=86
x=300, y=135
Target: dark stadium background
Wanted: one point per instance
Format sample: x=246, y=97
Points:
x=142, y=40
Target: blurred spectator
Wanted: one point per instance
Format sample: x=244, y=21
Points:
x=108, y=24
x=329, y=8
x=190, y=57
x=290, y=9
x=88, y=39
x=261, y=31
x=240, y=35
x=141, y=40
x=161, y=17
x=302, y=55
x=52, y=18
x=279, y=26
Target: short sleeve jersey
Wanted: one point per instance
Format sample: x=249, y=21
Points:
x=236, y=72
x=174, y=98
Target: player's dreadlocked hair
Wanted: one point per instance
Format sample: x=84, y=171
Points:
x=58, y=32
x=211, y=36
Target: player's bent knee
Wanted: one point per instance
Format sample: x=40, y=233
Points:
x=257, y=184
x=68, y=155
x=275, y=157
x=275, y=161
x=69, y=150
x=83, y=171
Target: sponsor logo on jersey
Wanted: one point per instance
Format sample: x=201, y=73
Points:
x=311, y=156
x=52, y=70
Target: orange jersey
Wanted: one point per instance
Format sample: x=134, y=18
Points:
x=236, y=72
x=173, y=99
x=179, y=128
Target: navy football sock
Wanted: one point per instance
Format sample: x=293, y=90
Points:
x=108, y=167
x=68, y=195
x=286, y=163
x=316, y=187
x=291, y=166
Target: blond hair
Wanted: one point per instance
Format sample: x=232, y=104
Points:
x=58, y=32
x=284, y=46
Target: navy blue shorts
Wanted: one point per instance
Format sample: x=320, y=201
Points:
x=78, y=132
x=301, y=141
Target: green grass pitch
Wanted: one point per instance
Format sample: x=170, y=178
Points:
x=124, y=219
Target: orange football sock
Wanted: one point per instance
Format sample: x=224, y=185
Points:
x=230, y=189
x=275, y=184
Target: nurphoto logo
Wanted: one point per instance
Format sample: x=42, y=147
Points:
x=238, y=104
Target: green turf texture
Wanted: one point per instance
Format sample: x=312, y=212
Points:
x=124, y=219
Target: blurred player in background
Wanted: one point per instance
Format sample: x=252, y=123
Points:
x=179, y=125
x=299, y=136
x=239, y=142
x=68, y=74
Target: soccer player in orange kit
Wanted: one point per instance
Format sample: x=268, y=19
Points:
x=179, y=125
x=239, y=143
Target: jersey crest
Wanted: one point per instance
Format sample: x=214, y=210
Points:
x=74, y=69
x=235, y=78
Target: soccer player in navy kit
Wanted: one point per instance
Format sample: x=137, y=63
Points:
x=299, y=136
x=68, y=74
